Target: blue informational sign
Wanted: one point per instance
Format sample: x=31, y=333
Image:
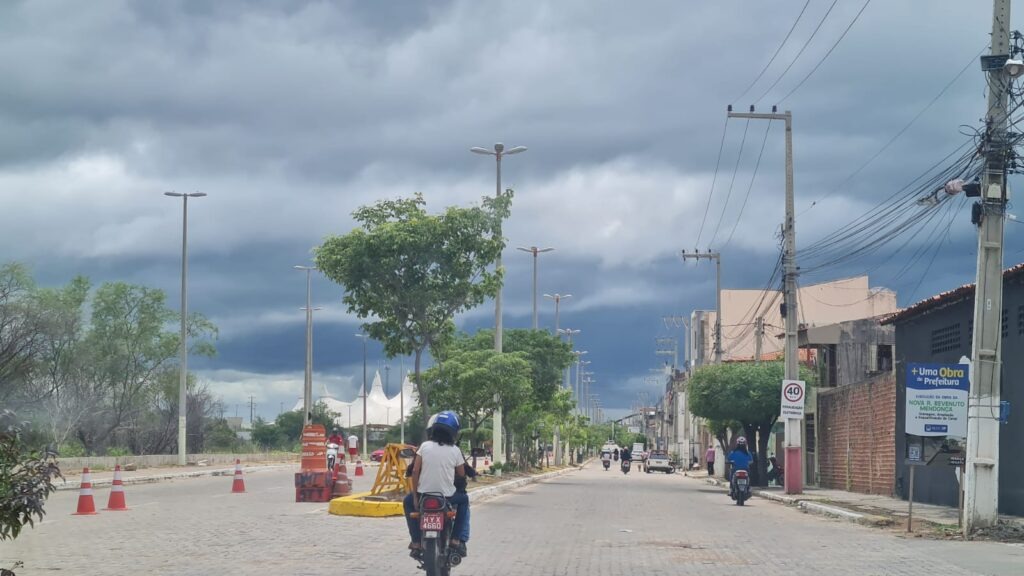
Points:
x=937, y=399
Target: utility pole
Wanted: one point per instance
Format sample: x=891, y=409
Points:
x=680, y=322
x=981, y=486
x=252, y=406
x=535, y=251
x=794, y=426
x=669, y=347
x=364, y=337
x=307, y=386
x=717, y=257
x=758, y=337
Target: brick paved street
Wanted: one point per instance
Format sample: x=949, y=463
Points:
x=590, y=522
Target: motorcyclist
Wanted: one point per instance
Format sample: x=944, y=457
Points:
x=438, y=463
x=606, y=458
x=616, y=454
x=739, y=459
x=625, y=456
x=337, y=438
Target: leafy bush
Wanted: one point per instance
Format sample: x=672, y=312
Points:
x=26, y=478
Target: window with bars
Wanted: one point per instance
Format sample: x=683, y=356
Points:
x=946, y=339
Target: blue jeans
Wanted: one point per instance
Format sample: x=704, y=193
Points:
x=461, y=529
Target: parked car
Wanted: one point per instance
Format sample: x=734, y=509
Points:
x=658, y=461
x=377, y=455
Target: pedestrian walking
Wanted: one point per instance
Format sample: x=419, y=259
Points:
x=709, y=457
x=353, y=447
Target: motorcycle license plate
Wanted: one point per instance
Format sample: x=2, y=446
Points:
x=741, y=481
x=432, y=521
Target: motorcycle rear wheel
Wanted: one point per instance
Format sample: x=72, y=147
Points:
x=434, y=561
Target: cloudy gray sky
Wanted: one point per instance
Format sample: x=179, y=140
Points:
x=291, y=114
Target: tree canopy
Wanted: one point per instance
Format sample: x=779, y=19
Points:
x=743, y=393
x=406, y=273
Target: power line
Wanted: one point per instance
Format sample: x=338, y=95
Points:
x=711, y=193
x=823, y=58
x=899, y=133
x=777, y=50
x=751, y=186
x=732, y=181
x=797, y=57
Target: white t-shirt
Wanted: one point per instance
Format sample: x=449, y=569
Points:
x=353, y=442
x=437, y=471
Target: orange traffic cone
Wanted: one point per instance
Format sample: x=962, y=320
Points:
x=238, y=486
x=86, y=505
x=344, y=468
x=116, y=501
x=336, y=471
x=359, y=467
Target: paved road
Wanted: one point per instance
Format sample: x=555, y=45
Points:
x=573, y=525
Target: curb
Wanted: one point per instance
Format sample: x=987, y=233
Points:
x=489, y=492
x=812, y=507
x=171, y=476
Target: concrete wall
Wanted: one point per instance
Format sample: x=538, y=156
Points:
x=163, y=460
x=856, y=447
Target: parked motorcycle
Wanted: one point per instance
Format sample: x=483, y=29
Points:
x=437, y=520
x=332, y=455
x=740, y=487
x=625, y=466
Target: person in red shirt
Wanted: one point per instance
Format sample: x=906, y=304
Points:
x=337, y=438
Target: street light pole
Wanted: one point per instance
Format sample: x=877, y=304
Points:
x=535, y=251
x=183, y=361
x=498, y=152
x=307, y=388
x=558, y=300
x=365, y=338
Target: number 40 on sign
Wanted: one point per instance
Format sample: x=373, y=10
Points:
x=793, y=399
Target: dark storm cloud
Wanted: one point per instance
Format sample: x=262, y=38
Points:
x=291, y=114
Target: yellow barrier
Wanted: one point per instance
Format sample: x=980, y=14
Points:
x=359, y=505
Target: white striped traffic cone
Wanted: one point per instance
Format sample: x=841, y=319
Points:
x=238, y=485
x=116, y=501
x=86, y=505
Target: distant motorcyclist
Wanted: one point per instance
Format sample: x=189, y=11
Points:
x=615, y=454
x=739, y=459
x=606, y=459
x=626, y=455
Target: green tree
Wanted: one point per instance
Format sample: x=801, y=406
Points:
x=748, y=393
x=407, y=273
x=470, y=381
x=26, y=478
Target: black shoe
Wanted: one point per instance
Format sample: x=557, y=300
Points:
x=460, y=547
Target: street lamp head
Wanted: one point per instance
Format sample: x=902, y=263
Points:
x=545, y=249
x=531, y=249
x=515, y=150
x=196, y=194
x=1013, y=67
x=174, y=194
x=479, y=150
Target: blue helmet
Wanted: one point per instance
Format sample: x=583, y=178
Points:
x=448, y=420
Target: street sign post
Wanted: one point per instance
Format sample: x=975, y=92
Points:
x=793, y=395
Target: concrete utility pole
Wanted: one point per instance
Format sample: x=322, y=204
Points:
x=183, y=351
x=558, y=300
x=672, y=350
x=535, y=251
x=981, y=486
x=794, y=426
x=580, y=365
x=498, y=152
x=717, y=257
x=680, y=322
x=758, y=338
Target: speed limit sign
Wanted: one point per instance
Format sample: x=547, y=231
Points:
x=793, y=399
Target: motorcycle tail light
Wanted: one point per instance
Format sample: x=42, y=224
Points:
x=431, y=504
x=741, y=473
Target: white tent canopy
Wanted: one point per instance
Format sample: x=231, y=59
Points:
x=380, y=410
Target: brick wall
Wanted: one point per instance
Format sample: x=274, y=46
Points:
x=857, y=436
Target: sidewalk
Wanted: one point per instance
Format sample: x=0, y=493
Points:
x=868, y=509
